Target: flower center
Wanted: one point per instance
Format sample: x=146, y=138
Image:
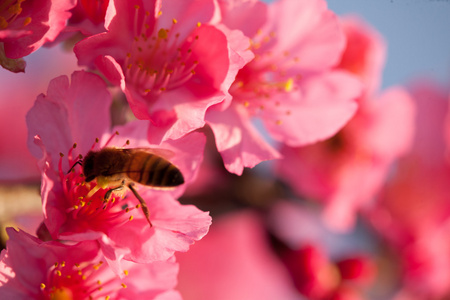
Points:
x=264, y=77
x=9, y=11
x=88, y=202
x=158, y=60
x=80, y=281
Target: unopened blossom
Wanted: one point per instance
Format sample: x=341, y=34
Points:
x=33, y=269
x=72, y=119
x=346, y=171
x=27, y=25
x=289, y=85
x=168, y=58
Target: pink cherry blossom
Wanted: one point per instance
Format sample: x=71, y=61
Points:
x=168, y=58
x=289, y=84
x=365, y=52
x=346, y=171
x=413, y=210
x=26, y=25
x=61, y=129
x=236, y=262
x=33, y=269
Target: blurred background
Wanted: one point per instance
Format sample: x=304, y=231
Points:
x=268, y=241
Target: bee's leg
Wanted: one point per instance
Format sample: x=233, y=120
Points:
x=109, y=192
x=143, y=204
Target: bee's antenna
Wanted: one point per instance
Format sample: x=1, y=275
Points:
x=78, y=162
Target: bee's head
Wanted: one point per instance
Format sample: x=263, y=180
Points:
x=89, y=166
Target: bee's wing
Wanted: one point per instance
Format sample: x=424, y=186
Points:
x=164, y=153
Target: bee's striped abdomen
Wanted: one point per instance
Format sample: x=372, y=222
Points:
x=153, y=170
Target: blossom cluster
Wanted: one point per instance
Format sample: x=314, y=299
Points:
x=211, y=89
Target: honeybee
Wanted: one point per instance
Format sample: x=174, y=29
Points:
x=117, y=168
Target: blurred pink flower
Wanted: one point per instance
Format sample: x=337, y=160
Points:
x=234, y=261
x=33, y=269
x=320, y=267
x=26, y=25
x=18, y=94
x=168, y=59
x=76, y=210
x=413, y=212
x=364, y=54
x=88, y=17
x=346, y=171
x=289, y=84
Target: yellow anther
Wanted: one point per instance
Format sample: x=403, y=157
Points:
x=246, y=104
x=174, y=21
x=130, y=218
x=27, y=21
x=126, y=272
x=58, y=272
x=3, y=23
x=278, y=122
x=42, y=286
x=124, y=285
x=199, y=24
x=162, y=33
x=288, y=85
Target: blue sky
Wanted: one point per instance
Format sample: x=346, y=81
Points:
x=417, y=33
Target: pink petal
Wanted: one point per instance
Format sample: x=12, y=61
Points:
x=175, y=228
x=326, y=103
x=237, y=140
x=60, y=118
x=307, y=29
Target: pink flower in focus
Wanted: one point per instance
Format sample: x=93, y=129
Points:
x=289, y=84
x=413, y=212
x=32, y=269
x=168, y=59
x=236, y=262
x=76, y=210
x=346, y=171
x=26, y=25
